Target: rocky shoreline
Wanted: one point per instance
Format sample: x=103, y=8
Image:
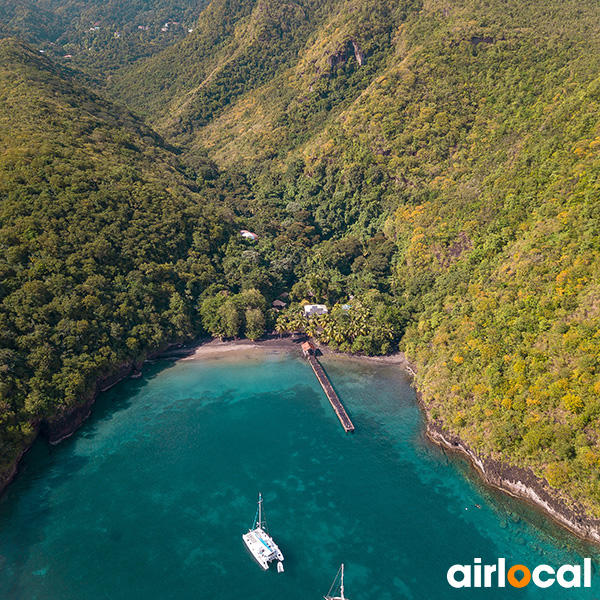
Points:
x=67, y=421
x=7, y=476
x=519, y=482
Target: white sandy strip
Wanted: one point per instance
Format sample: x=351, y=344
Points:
x=216, y=347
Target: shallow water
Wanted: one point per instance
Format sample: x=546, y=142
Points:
x=149, y=499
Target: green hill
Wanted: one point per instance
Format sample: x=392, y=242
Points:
x=255, y=75
x=99, y=38
x=106, y=244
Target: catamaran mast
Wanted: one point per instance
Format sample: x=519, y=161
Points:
x=259, y=524
x=342, y=583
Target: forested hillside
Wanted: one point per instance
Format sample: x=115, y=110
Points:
x=263, y=76
x=443, y=154
x=105, y=243
x=431, y=167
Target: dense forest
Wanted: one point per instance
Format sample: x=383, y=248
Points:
x=105, y=243
x=429, y=170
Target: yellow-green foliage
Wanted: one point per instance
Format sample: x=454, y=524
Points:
x=455, y=172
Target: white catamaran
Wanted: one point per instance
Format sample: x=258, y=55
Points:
x=260, y=543
x=334, y=588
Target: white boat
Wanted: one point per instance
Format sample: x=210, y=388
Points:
x=337, y=587
x=260, y=543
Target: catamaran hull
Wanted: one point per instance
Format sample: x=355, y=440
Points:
x=261, y=563
x=262, y=547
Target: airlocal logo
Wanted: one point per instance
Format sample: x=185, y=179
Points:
x=543, y=576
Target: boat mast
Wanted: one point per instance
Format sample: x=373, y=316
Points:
x=340, y=575
x=259, y=510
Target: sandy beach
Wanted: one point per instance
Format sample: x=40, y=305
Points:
x=214, y=347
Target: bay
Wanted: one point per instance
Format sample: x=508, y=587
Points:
x=149, y=499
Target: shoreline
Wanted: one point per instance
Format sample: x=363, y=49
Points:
x=517, y=482
x=68, y=420
x=213, y=347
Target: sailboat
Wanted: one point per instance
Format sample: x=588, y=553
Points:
x=260, y=543
x=335, y=586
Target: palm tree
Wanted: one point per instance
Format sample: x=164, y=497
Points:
x=312, y=327
x=297, y=322
x=340, y=336
x=282, y=325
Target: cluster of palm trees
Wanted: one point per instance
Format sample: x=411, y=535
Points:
x=291, y=321
x=341, y=326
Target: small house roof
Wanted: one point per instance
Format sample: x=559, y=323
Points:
x=248, y=234
x=279, y=304
x=308, y=346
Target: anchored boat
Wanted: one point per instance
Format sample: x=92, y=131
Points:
x=260, y=543
x=335, y=586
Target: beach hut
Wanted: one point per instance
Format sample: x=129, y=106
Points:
x=308, y=348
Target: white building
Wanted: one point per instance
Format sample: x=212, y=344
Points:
x=314, y=309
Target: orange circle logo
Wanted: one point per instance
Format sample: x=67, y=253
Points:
x=516, y=582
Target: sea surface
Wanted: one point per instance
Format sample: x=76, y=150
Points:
x=150, y=498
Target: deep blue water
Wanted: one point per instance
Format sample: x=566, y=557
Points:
x=149, y=499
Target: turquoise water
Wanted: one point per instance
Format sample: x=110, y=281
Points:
x=149, y=499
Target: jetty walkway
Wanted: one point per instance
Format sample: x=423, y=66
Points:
x=330, y=392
